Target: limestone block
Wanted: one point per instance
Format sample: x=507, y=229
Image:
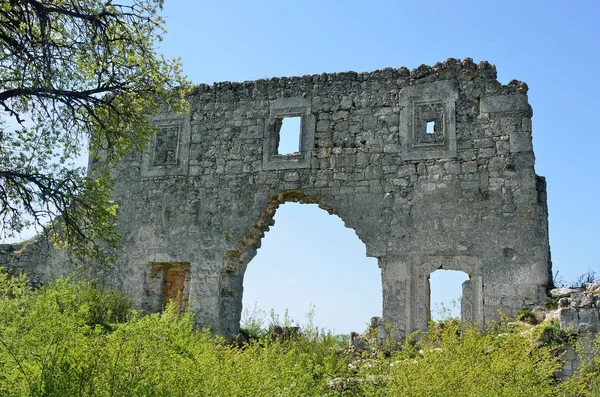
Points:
x=576, y=300
x=569, y=320
x=346, y=103
x=564, y=302
x=588, y=320
x=520, y=142
x=503, y=104
x=564, y=292
x=595, y=286
x=586, y=301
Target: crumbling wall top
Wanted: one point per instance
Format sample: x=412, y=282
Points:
x=451, y=68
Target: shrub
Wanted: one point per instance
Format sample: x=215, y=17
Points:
x=469, y=362
x=551, y=303
x=551, y=335
x=526, y=316
x=583, y=279
x=586, y=380
x=54, y=342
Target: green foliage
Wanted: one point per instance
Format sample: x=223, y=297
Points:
x=252, y=323
x=78, y=338
x=551, y=335
x=586, y=381
x=527, y=316
x=453, y=361
x=445, y=311
x=51, y=345
x=551, y=303
x=76, y=74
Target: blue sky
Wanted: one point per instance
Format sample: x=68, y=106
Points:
x=553, y=46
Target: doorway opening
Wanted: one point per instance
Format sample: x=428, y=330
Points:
x=447, y=288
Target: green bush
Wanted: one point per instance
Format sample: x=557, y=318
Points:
x=466, y=362
x=54, y=342
x=586, y=381
x=81, y=339
x=551, y=303
x=526, y=316
x=551, y=335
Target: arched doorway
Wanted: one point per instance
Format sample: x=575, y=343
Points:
x=309, y=258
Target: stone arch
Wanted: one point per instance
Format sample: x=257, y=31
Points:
x=236, y=261
x=419, y=300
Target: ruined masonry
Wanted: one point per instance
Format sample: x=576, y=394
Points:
x=433, y=168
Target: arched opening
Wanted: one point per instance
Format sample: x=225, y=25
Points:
x=309, y=258
x=445, y=294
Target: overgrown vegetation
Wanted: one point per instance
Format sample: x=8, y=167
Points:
x=81, y=339
x=551, y=335
x=527, y=316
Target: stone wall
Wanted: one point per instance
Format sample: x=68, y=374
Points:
x=10, y=258
x=578, y=313
x=37, y=259
x=433, y=168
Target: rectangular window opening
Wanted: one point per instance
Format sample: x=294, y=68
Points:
x=288, y=135
x=430, y=128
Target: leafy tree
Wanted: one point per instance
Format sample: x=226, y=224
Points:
x=76, y=73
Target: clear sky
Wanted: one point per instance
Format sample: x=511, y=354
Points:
x=309, y=257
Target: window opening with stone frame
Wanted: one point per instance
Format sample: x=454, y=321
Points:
x=288, y=130
x=166, y=145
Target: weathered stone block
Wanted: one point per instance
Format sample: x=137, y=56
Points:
x=564, y=292
x=520, y=142
x=569, y=320
x=588, y=320
x=504, y=104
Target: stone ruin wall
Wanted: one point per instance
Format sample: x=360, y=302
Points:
x=465, y=197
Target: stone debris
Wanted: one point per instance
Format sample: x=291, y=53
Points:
x=579, y=308
x=578, y=313
x=564, y=292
